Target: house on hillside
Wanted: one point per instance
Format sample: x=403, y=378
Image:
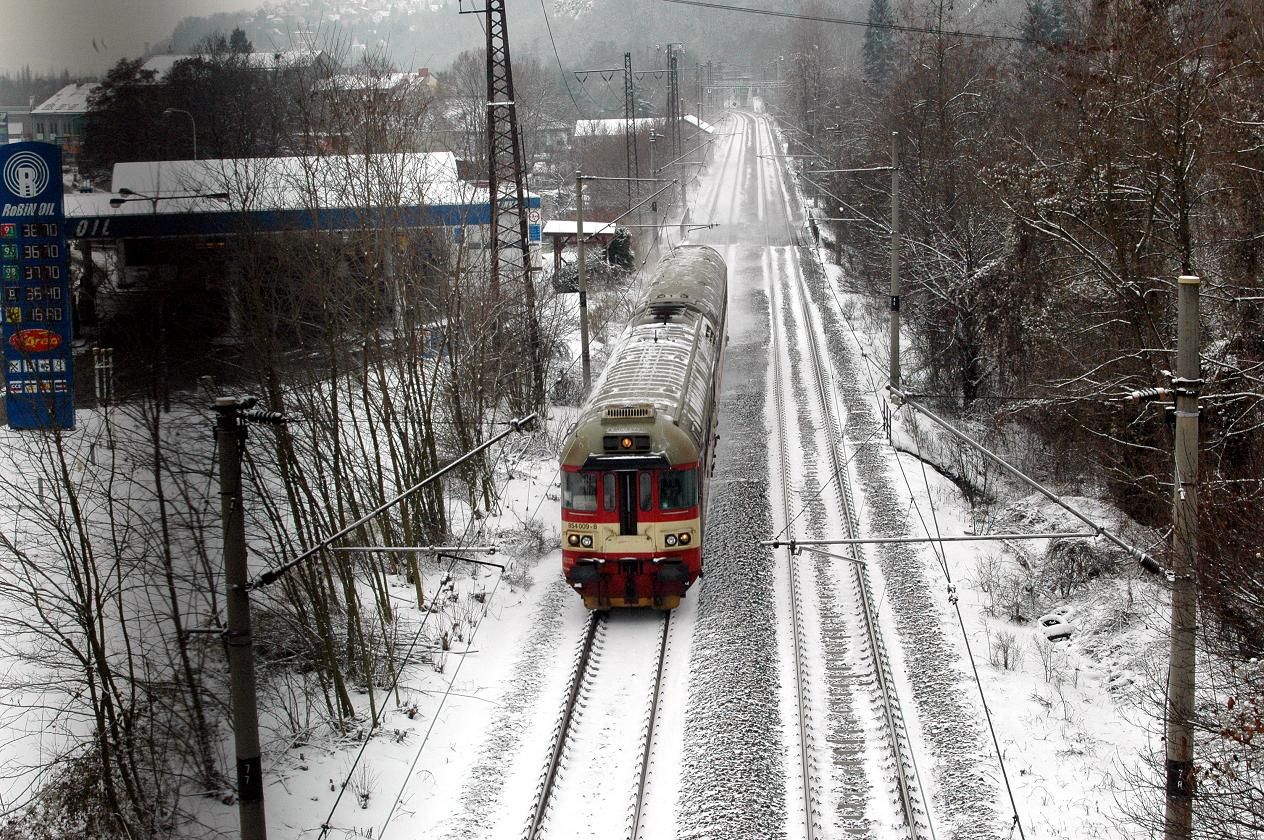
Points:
x=365, y=105
x=59, y=119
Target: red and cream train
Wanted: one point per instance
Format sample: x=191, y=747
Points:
x=635, y=469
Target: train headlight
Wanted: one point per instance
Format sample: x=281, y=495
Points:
x=572, y=540
x=586, y=541
x=684, y=537
x=626, y=443
x=670, y=539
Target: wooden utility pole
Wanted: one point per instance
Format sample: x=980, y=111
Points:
x=1178, y=815
x=230, y=434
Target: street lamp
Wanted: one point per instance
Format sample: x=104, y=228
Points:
x=126, y=195
x=192, y=122
x=131, y=195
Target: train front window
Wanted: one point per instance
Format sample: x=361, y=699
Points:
x=579, y=490
x=677, y=489
x=646, y=491
x=607, y=492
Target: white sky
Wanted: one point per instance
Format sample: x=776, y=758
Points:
x=52, y=34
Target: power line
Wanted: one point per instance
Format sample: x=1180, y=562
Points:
x=549, y=27
x=894, y=27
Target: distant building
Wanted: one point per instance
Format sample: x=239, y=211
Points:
x=15, y=123
x=368, y=104
x=60, y=118
x=170, y=230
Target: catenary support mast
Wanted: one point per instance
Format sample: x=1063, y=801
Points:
x=1178, y=814
x=506, y=185
x=629, y=125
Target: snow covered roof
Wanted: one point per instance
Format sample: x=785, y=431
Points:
x=421, y=179
x=568, y=227
x=72, y=99
x=353, y=192
x=698, y=124
x=615, y=127
x=162, y=64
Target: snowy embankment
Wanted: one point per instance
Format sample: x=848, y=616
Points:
x=1070, y=724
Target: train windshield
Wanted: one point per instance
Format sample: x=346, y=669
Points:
x=579, y=490
x=677, y=489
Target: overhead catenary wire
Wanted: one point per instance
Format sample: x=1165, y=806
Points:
x=273, y=574
x=936, y=545
x=327, y=824
x=470, y=523
x=561, y=70
x=892, y=27
x=943, y=564
x=952, y=598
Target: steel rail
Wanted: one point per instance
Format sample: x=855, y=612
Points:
x=826, y=393
x=579, y=677
x=643, y=781
x=779, y=344
x=890, y=702
x=555, y=755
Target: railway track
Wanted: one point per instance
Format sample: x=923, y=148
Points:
x=822, y=488
x=619, y=666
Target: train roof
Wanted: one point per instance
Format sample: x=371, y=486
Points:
x=667, y=355
x=693, y=276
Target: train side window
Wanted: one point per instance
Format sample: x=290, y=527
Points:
x=647, y=499
x=677, y=489
x=607, y=492
x=579, y=490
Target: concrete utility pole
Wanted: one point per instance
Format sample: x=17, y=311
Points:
x=1178, y=815
x=895, y=260
x=653, y=174
x=583, y=285
x=230, y=434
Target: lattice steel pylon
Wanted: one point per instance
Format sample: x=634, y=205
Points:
x=510, y=251
x=673, y=102
x=629, y=127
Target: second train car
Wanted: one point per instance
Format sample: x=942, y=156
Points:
x=635, y=469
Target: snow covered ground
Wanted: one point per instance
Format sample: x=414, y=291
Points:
x=461, y=744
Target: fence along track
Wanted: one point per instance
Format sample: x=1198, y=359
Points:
x=581, y=679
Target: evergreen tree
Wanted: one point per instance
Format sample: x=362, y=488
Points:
x=238, y=43
x=878, y=51
x=1045, y=21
